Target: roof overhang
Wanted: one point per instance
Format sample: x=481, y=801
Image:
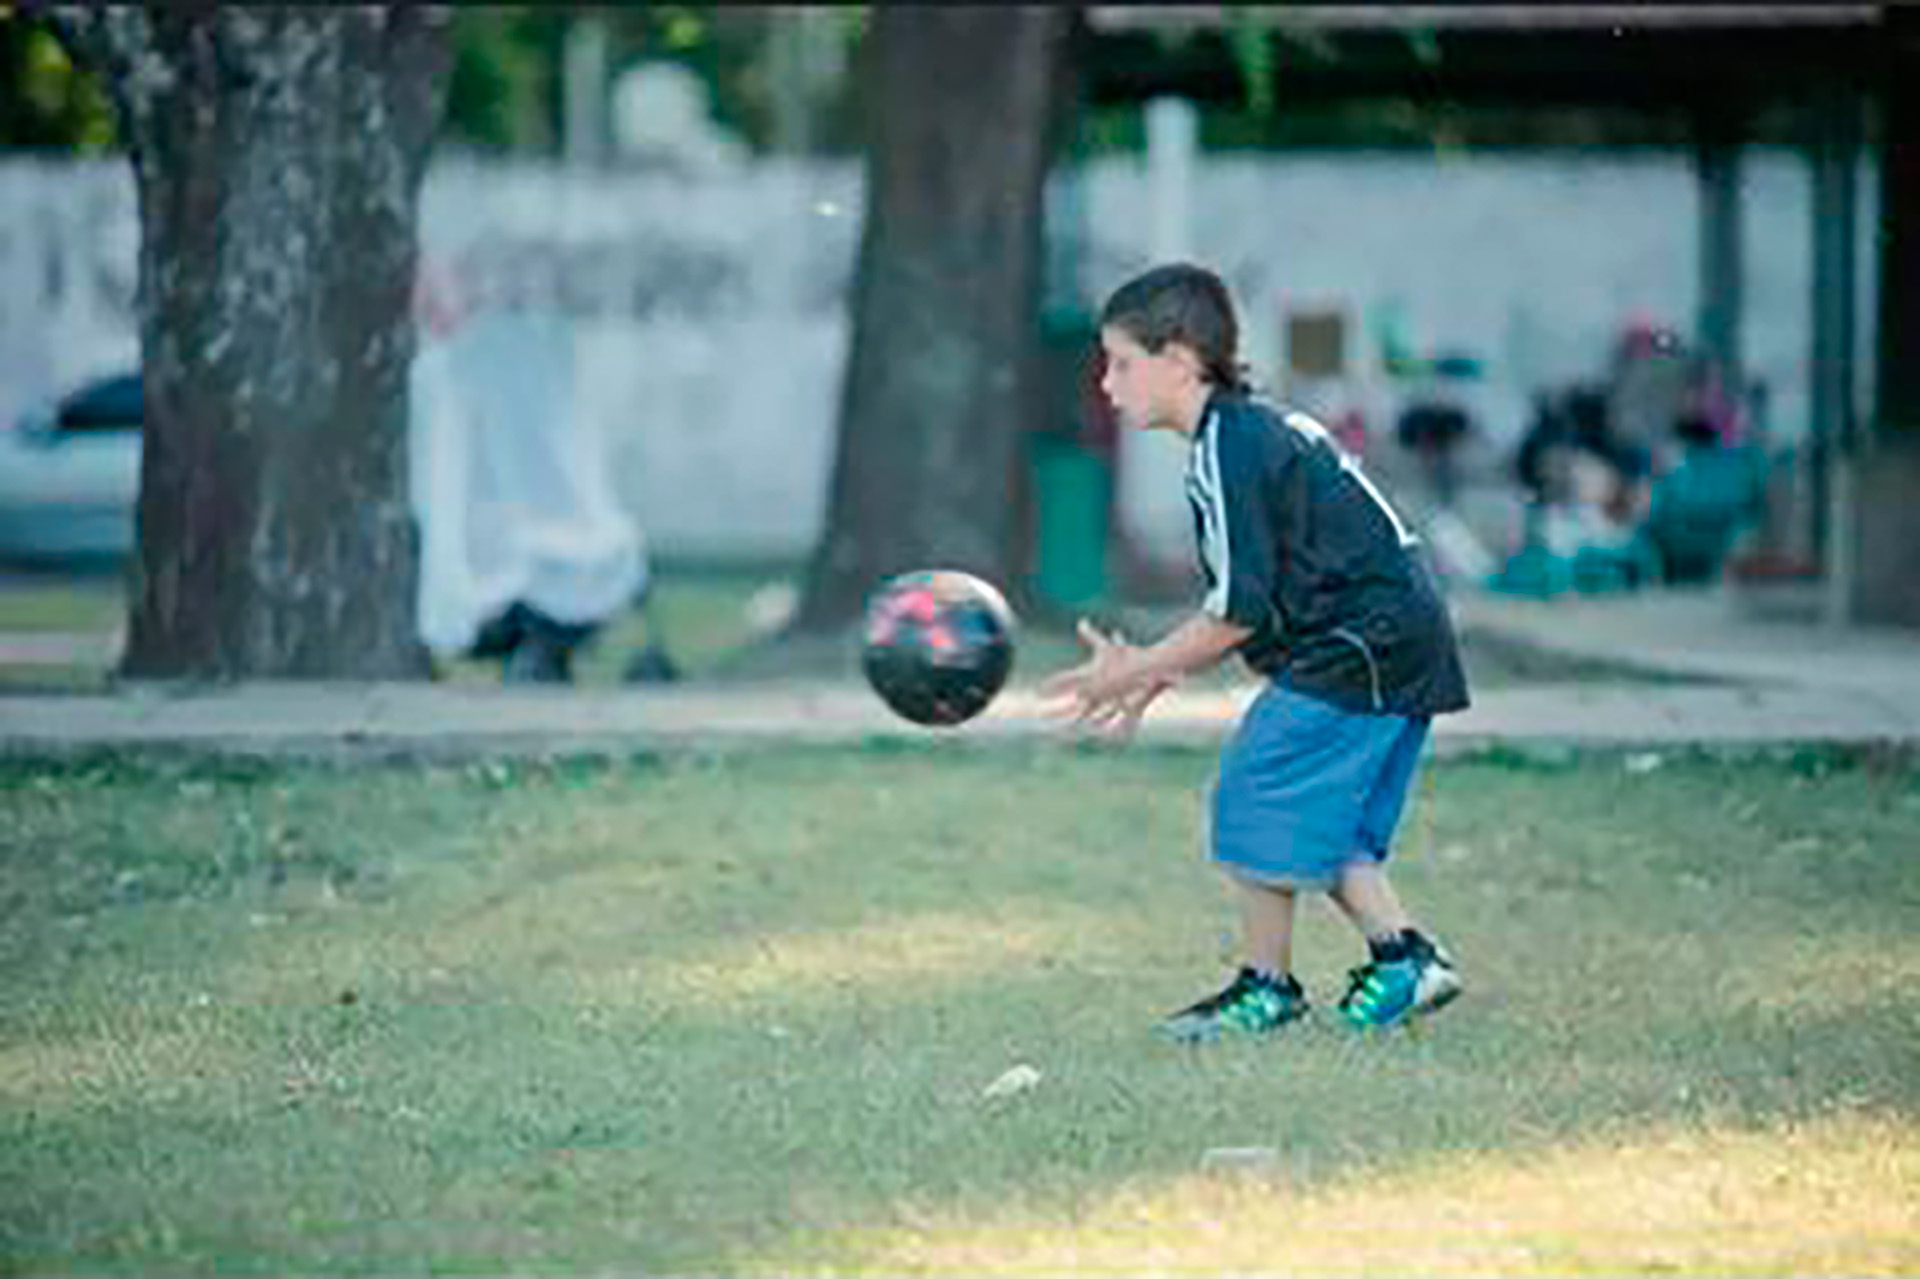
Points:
x=1719, y=61
x=1536, y=17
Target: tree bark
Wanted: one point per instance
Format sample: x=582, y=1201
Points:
x=278, y=155
x=946, y=299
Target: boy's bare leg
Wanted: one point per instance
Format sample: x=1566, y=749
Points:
x=1266, y=916
x=1366, y=897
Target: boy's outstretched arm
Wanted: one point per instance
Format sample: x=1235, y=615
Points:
x=1113, y=687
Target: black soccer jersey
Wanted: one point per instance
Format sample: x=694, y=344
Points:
x=1297, y=545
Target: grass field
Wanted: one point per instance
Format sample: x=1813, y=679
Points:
x=739, y=1013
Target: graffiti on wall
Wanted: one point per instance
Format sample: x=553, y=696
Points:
x=1529, y=261
x=644, y=276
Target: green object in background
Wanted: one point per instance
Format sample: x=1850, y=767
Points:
x=1072, y=475
x=1534, y=571
x=1071, y=491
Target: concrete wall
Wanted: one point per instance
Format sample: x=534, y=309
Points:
x=710, y=319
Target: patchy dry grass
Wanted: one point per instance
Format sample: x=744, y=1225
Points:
x=737, y=1013
x=1797, y=1198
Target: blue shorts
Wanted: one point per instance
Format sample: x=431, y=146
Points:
x=1306, y=788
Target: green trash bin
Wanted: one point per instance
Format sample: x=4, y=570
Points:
x=1071, y=490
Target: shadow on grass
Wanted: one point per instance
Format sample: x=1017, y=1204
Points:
x=740, y=1013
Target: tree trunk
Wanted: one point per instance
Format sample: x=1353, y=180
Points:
x=278, y=155
x=946, y=301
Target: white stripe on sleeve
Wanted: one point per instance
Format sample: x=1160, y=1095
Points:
x=1218, y=547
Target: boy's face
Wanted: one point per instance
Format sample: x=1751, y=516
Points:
x=1149, y=391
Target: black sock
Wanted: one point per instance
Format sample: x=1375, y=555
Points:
x=1419, y=945
x=1393, y=948
x=1272, y=976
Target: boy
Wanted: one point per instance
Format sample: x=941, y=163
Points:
x=1314, y=581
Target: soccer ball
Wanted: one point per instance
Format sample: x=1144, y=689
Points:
x=937, y=645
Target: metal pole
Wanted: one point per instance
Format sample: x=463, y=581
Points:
x=1835, y=157
x=1717, y=164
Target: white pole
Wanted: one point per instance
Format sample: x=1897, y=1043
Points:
x=1173, y=141
x=1150, y=494
x=586, y=91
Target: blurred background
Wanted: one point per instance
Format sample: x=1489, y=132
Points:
x=1594, y=291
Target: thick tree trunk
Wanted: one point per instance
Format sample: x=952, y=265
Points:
x=278, y=154
x=946, y=300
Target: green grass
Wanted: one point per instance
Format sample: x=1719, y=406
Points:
x=35, y=603
x=35, y=608
x=735, y=1013
x=700, y=613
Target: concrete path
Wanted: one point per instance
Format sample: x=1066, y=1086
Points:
x=1773, y=683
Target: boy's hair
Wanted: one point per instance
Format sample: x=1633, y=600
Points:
x=1186, y=304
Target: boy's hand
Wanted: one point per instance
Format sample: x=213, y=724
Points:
x=1110, y=691
x=1100, y=677
x=1119, y=719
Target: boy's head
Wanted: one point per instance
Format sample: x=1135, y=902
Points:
x=1170, y=338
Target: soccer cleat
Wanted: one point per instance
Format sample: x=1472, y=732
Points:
x=1250, y=1005
x=1392, y=993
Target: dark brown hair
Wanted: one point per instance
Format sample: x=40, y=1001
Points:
x=1186, y=304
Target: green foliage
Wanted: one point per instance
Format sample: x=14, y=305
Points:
x=507, y=86
x=730, y=49
x=46, y=101
x=502, y=91
x=1251, y=37
x=725, y=48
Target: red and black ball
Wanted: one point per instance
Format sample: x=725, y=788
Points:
x=937, y=645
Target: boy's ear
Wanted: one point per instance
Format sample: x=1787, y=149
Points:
x=1187, y=357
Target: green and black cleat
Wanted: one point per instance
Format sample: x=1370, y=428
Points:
x=1395, y=992
x=1250, y=1005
